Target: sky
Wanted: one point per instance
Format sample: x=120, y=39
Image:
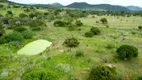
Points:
x=66, y=2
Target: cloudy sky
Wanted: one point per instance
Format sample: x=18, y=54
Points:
x=66, y=2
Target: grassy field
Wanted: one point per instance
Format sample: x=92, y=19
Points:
x=58, y=58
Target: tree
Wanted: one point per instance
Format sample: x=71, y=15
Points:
x=9, y=12
x=127, y=52
x=28, y=34
x=104, y=20
x=2, y=32
x=95, y=30
x=102, y=73
x=89, y=34
x=78, y=23
x=20, y=29
x=140, y=27
x=40, y=75
x=36, y=24
x=14, y=36
x=22, y=15
x=71, y=42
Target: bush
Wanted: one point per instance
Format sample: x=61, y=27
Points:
x=104, y=20
x=36, y=24
x=2, y=40
x=28, y=34
x=72, y=27
x=14, y=36
x=89, y=34
x=9, y=12
x=20, y=29
x=127, y=52
x=102, y=73
x=78, y=23
x=95, y=30
x=71, y=42
x=60, y=23
x=22, y=15
x=140, y=27
x=79, y=53
x=40, y=75
x=2, y=32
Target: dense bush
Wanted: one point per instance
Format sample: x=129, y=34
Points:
x=20, y=29
x=14, y=36
x=127, y=52
x=95, y=30
x=102, y=73
x=40, y=75
x=9, y=12
x=60, y=23
x=140, y=27
x=36, y=24
x=104, y=20
x=22, y=15
x=2, y=32
x=71, y=42
x=89, y=34
x=78, y=23
x=79, y=53
x=2, y=40
x=28, y=34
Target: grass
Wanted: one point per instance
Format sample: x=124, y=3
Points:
x=95, y=49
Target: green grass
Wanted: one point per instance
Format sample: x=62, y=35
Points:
x=95, y=49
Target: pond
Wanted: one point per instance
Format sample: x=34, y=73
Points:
x=35, y=47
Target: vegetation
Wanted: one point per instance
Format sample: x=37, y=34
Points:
x=127, y=52
x=95, y=30
x=104, y=20
x=89, y=34
x=102, y=73
x=72, y=57
x=71, y=42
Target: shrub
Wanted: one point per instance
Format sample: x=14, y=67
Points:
x=20, y=29
x=2, y=32
x=71, y=42
x=72, y=27
x=127, y=52
x=14, y=36
x=104, y=20
x=9, y=12
x=40, y=75
x=79, y=53
x=102, y=73
x=140, y=27
x=78, y=23
x=36, y=24
x=89, y=34
x=28, y=34
x=22, y=15
x=2, y=40
x=95, y=30
x=60, y=23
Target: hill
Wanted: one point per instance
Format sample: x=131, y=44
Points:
x=108, y=7
x=134, y=8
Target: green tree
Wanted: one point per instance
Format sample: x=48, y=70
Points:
x=78, y=23
x=140, y=27
x=71, y=42
x=89, y=34
x=95, y=30
x=127, y=52
x=104, y=20
x=102, y=73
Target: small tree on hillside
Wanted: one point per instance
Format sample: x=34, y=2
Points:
x=104, y=20
x=71, y=42
x=140, y=27
x=89, y=34
x=95, y=30
x=78, y=23
x=102, y=73
x=127, y=52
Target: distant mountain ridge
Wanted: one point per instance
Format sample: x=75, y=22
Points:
x=108, y=7
x=84, y=5
x=134, y=8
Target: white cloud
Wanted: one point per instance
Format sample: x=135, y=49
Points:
x=66, y=2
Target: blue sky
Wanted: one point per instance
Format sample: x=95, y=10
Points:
x=66, y=2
